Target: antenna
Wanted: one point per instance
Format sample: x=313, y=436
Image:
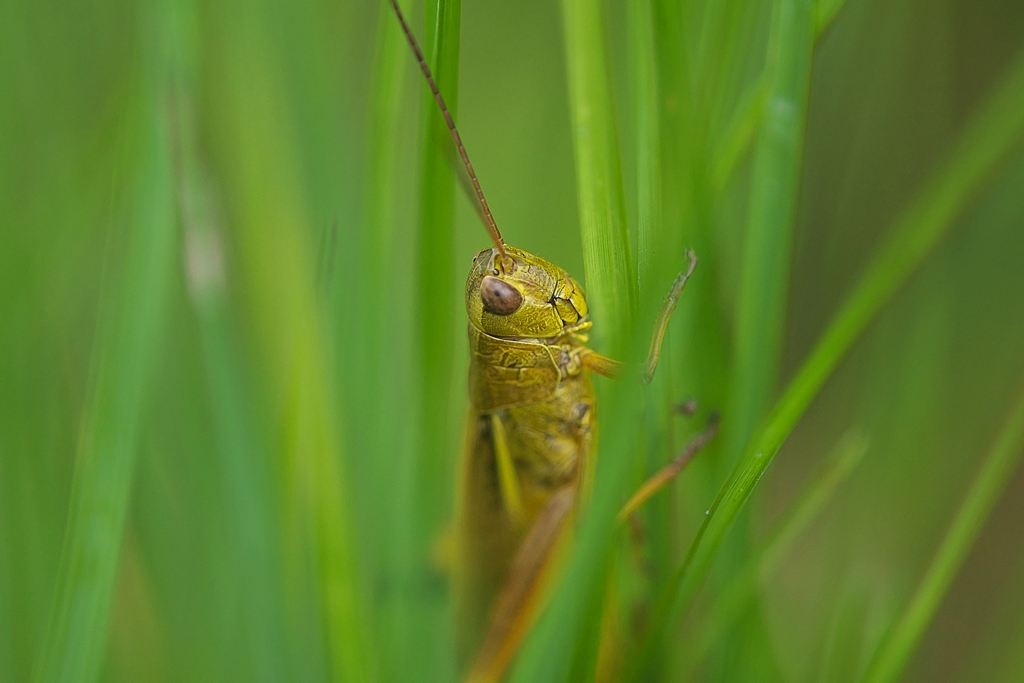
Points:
x=492, y=227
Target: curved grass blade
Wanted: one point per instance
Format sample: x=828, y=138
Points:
x=898, y=646
x=132, y=311
x=993, y=131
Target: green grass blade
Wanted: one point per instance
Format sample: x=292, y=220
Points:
x=738, y=136
x=744, y=586
x=243, y=461
x=377, y=348
x=277, y=275
x=648, y=134
x=423, y=487
x=133, y=308
x=898, y=646
x=746, y=121
x=771, y=219
x=607, y=261
x=928, y=217
x=563, y=645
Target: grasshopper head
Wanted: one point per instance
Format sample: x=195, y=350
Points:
x=524, y=296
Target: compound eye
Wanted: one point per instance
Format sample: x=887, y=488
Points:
x=499, y=297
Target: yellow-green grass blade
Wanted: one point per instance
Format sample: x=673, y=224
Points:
x=897, y=647
x=994, y=130
x=771, y=217
x=141, y=250
x=607, y=261
x=276, y=264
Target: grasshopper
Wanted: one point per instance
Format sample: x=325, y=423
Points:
x=531, y=429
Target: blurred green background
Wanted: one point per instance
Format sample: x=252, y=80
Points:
x=232, y=349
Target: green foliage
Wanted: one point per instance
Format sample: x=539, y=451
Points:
x=232, y=356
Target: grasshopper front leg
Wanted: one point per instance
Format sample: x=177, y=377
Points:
x=611, y=368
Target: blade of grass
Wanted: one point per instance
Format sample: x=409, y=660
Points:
x=277, y=275
x=607, y=261
x=739, y=135
x=746, y=121
x=742, y=588
x=896, y=649
x=424, y=486
x=244, y=464
x=375, y=387
x=648, y=135
x=562, y=646
x=133, y=307
x=992, y=132
x=761, y=310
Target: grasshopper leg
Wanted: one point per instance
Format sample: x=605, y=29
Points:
x=669, y=472
x=661, y=324
x=608, y=367
x=508, y=480
x=517, y=605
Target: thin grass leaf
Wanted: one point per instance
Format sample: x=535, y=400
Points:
x=563, y=645
x=896, y=649
x=423, y=633
x=744, y=586
x=748, y=118
x=648, y=133
x=607, y=261
x=277, y=275
x=993, y=131
x=133, y=307
x=376, y=347
x=739, y=135
x=243, y=461
x=761, y=310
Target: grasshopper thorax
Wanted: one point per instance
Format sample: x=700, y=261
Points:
x=523, y=296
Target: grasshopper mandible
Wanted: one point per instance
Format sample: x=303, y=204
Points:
x=531, y=429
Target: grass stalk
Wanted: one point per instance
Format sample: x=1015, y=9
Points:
x=277, y=275
x=243, y=462
x=424, y=486
x=607, y=261
x=377, y=348
x=994, y=130
x=648, y=134
x=562, y=646
x=137, y=279
x=897, y=647
x=771, y=219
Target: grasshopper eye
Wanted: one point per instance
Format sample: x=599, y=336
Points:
x=499, y=297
